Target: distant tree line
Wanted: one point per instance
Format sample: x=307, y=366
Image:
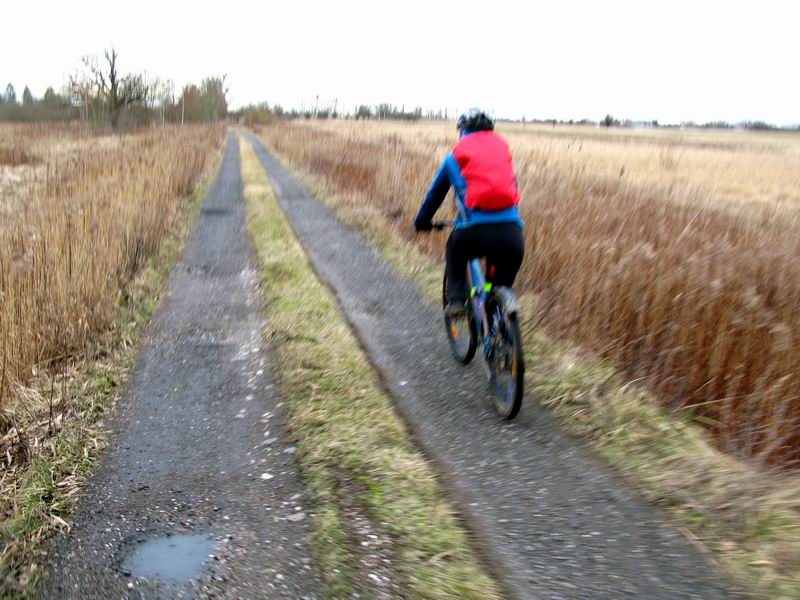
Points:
x=610, y=121
x=51, y=107
x=388, y=111
x=263, y=112
x=101, y=94
x=257, y=114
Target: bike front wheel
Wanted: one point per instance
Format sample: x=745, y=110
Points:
x=507, y=367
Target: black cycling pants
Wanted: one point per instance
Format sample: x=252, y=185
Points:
x=501, y=244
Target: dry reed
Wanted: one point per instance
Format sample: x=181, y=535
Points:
x=656, y=267
x=76, y=231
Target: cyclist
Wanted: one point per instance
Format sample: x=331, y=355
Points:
x=486, y=195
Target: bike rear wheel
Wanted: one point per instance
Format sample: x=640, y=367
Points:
x=462, y=332
x=508, y=366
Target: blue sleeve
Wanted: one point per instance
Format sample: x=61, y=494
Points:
x=435, y=196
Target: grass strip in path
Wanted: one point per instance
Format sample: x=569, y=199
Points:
x=37, y=498
x=354, y=448
x=746, y=519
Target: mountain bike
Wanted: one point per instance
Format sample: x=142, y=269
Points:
x=491, y=323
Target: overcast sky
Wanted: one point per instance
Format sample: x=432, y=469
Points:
x=672, y=61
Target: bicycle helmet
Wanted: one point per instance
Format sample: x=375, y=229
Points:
x=475, y=120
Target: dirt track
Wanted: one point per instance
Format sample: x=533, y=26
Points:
x=190, y=446
x=551, y=521
x=191, y=452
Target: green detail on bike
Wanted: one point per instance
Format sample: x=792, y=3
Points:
x=497, y=333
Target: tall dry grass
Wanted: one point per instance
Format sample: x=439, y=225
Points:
x=687, y=290
x=74, y=232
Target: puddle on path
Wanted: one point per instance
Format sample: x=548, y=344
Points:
x=174, y=560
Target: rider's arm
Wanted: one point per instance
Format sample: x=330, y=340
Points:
x=435, y=196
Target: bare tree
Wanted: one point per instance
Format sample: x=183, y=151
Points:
x=166, y=97
x=81, y=93
x=115, y=90
x=11, y=94
x=160, y=96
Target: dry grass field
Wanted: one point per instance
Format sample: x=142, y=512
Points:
x=80, y=216
x=674, y=253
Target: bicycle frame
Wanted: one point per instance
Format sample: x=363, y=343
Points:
x=479, y=290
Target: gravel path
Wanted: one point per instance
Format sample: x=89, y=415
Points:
x=551, y=521
x=199, y=445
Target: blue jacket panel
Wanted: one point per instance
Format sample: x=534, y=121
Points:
x=449, y=175
x=481, y=217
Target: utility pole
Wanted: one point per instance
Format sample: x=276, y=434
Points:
x=316, y=108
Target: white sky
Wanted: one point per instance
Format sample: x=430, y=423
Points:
x=668, y=60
